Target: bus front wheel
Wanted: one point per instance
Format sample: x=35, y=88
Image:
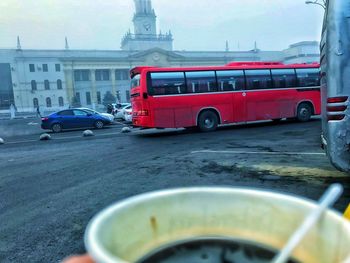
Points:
x=207, y=121
x=304, y=112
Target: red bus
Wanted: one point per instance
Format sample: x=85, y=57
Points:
x=239, y=92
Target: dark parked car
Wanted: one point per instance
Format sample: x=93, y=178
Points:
x=73, y=119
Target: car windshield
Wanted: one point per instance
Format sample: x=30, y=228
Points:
x=101, y=101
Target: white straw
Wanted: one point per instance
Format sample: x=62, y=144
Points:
x=328, y=199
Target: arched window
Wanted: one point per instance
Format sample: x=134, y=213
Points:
x=47, y=84
x=59, y=84
x=60, y=102
x=48, y=103
x=33, y=83
x=35, y=103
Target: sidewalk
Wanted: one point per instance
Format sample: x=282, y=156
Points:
x=26, y=125
x=23, y=115
x=19, y=115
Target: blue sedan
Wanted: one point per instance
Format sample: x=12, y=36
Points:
x=73, y=119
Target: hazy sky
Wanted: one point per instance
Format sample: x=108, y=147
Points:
x=195, y=24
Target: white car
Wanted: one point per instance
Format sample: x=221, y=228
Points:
x=107, y=115
x=119, y=114
x=128, y=114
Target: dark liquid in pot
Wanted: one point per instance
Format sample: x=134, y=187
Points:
x=212, y=251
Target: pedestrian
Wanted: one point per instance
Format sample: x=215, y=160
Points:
x=38, y=114
x=12, y=111
x=109, y=108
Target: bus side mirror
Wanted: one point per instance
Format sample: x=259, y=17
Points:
x=145, y=95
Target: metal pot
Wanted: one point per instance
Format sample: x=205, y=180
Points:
x=131, y=229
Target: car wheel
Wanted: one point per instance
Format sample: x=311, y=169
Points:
x=304, y=112
x=56, y=128
x=208, y=121
x=99, y=124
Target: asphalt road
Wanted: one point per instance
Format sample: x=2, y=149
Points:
x=50, y=190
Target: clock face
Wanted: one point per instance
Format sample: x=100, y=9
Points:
x=147, y=26
x=156, y=57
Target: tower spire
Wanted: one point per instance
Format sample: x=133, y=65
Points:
x=143, y=6
x=256, y=47
x=227, y=49
x=66, y=43
x=19, y=47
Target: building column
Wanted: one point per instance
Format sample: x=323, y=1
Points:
x=112, y=78
x=93, y=87
x=68, y=74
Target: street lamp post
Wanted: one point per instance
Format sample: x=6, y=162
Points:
x=321, y=3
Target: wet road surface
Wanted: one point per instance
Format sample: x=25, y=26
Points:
x=50, y=190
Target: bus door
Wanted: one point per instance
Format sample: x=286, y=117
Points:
x=240, y=106
x=262, y=102
x=233, y=81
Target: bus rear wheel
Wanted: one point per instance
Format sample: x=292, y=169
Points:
x=304, y=112
x=207, y=121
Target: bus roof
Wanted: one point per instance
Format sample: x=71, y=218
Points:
x=232, y=65
x=138, y=70
x=253, y=63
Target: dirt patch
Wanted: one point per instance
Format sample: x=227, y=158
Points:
x=285, y=169
x=216, y=168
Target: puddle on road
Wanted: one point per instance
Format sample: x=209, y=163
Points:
x=218, y=168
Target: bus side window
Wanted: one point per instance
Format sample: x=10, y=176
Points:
x=308, y=77
x=258, y=79
x=201, y=81
x=230, y=80
x=283, y=78
x=167, y=83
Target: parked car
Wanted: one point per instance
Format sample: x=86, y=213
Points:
x=73, y=119
x=120, y=105
x=109, y=116
x=128, y=114
x=119, y=113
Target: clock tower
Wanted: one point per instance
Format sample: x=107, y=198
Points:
x=145, y=31
x=144, y=18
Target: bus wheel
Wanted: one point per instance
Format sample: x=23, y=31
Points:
x=304, y=112
x=208, y=121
